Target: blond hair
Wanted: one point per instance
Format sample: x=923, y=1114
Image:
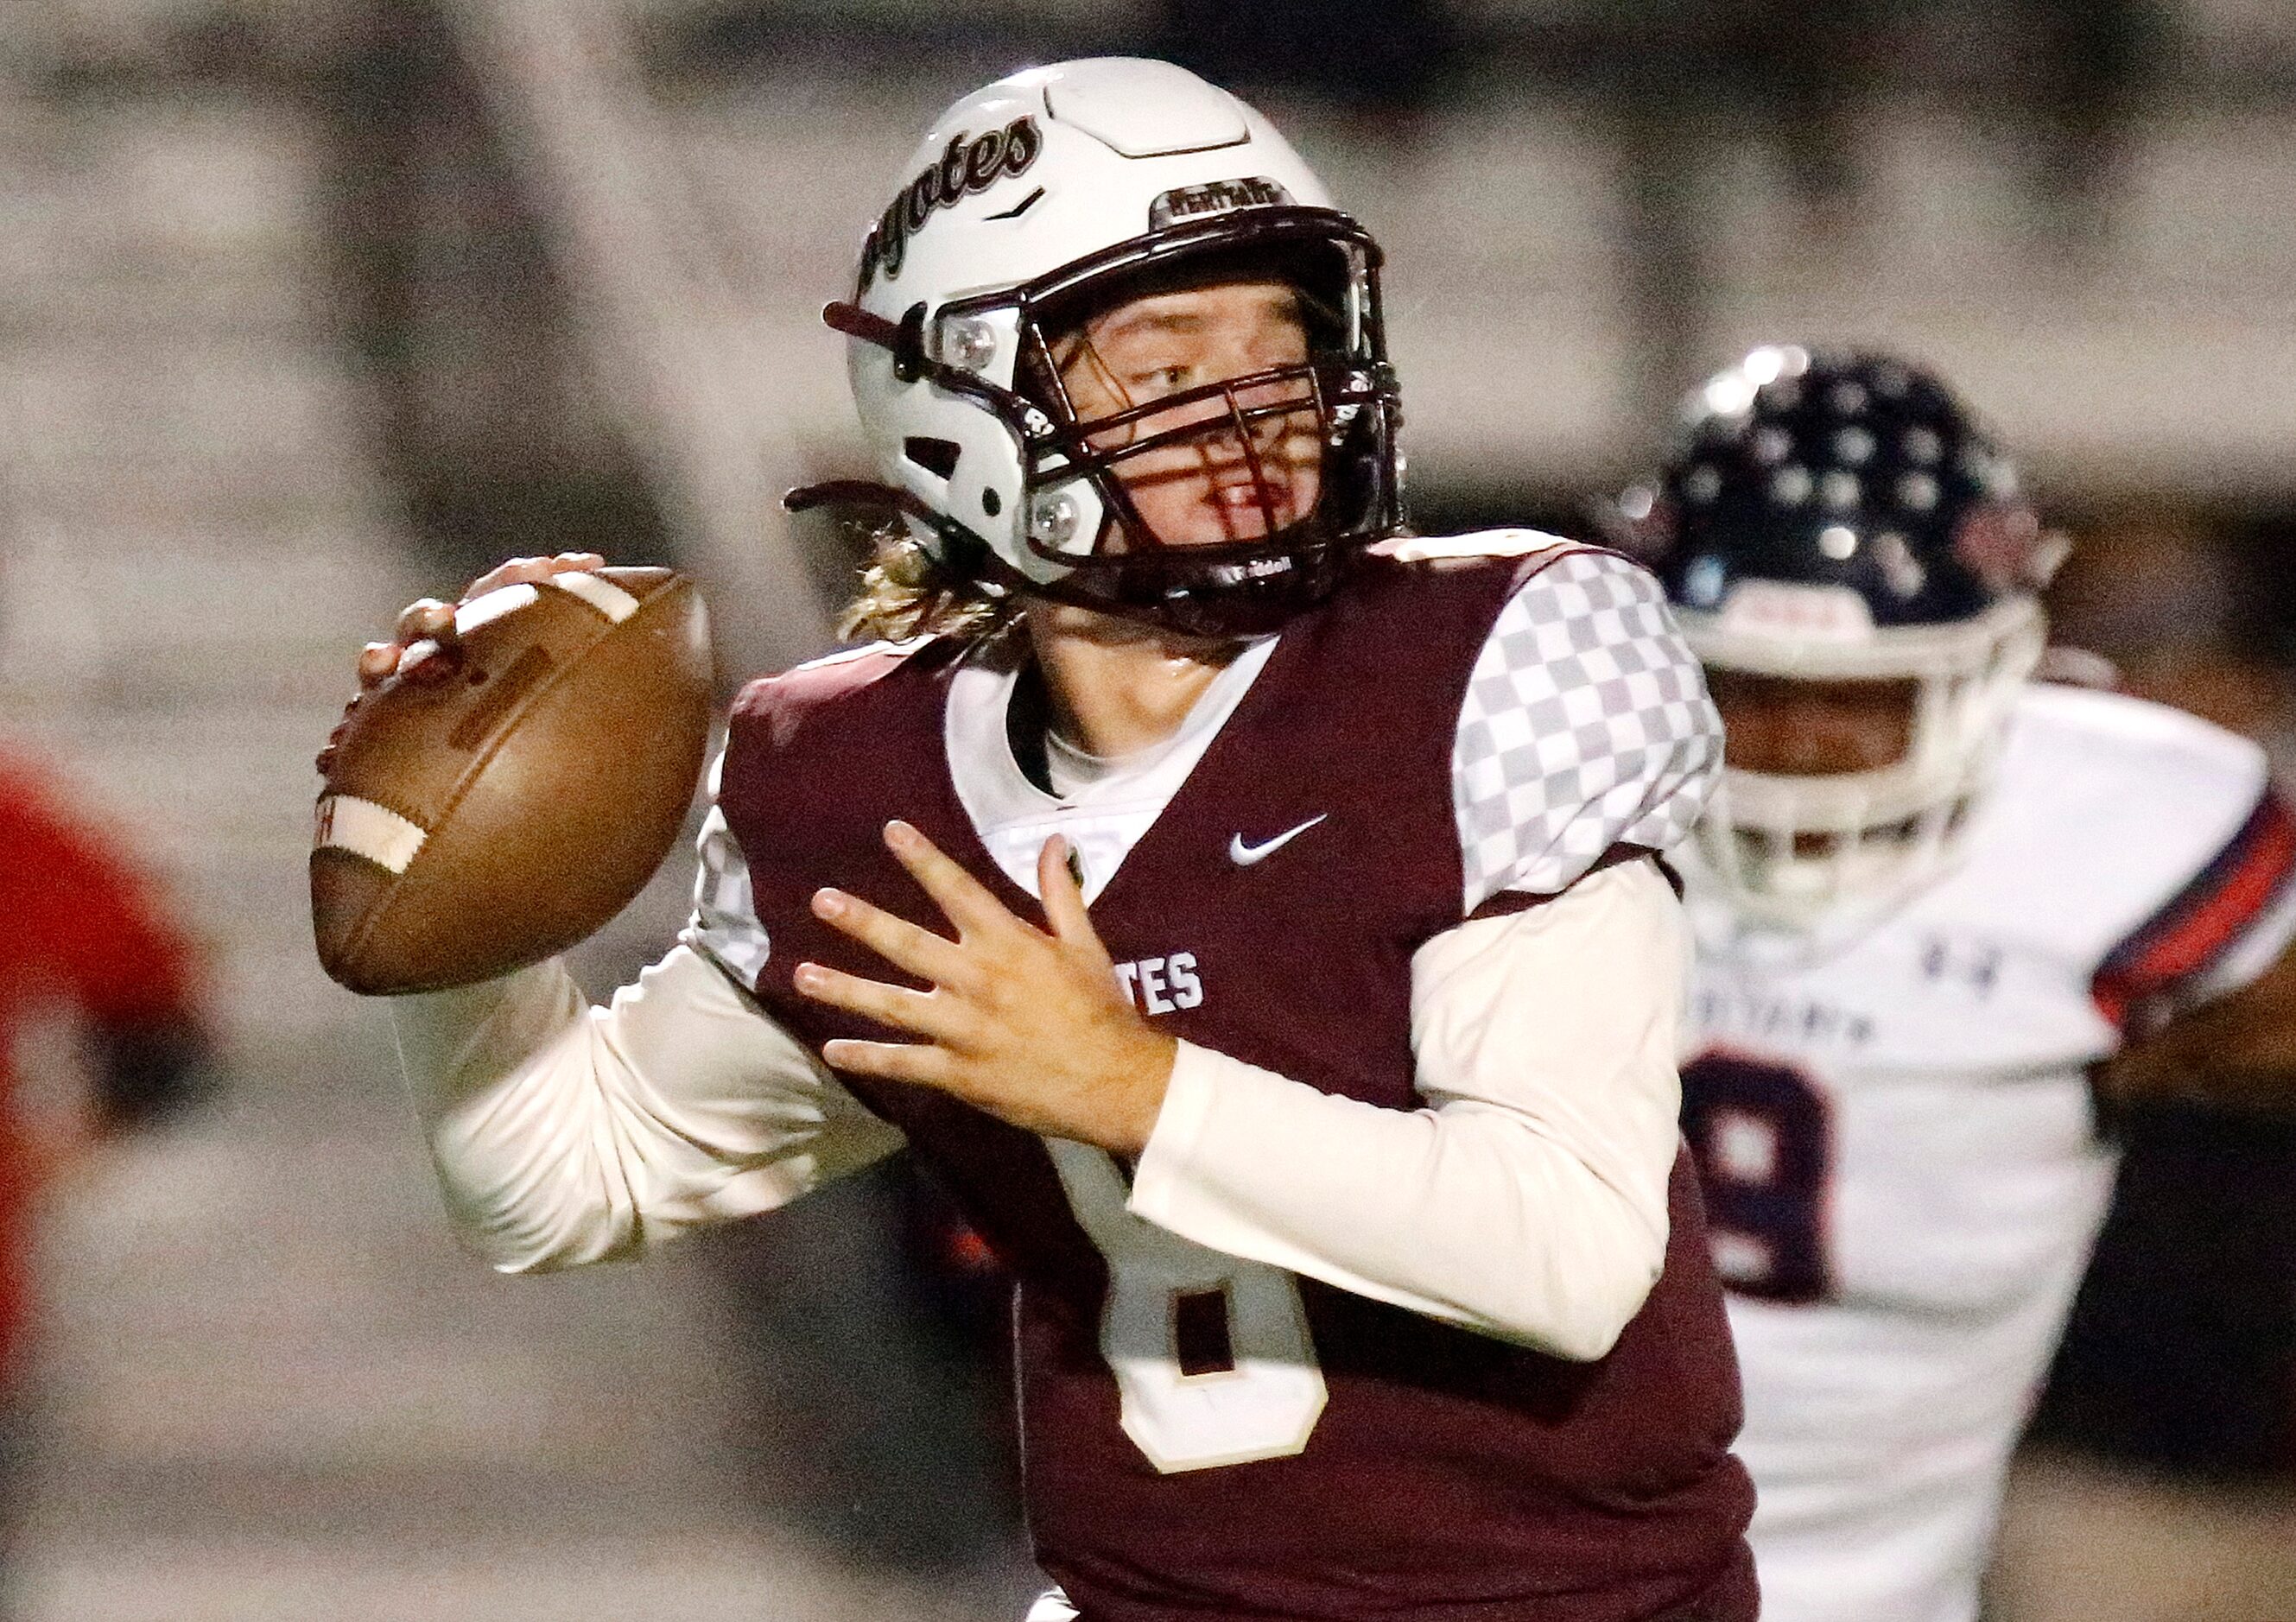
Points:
x=907, y=592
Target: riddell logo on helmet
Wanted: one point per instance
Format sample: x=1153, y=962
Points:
x=1215, y=197
x=968, y=166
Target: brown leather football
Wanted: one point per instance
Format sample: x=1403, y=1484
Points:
x=474, y=825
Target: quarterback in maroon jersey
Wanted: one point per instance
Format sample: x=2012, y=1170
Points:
x=1252, y=912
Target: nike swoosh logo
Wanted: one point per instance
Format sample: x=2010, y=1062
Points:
x=1244, y=855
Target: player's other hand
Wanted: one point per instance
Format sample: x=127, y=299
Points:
x=1028, y=1025
x=422, y=646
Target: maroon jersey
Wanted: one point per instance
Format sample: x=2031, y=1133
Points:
x=1439, y=1475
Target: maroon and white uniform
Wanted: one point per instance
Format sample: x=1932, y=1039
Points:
x=1274, y=1372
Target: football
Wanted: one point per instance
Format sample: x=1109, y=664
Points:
x=471, y=826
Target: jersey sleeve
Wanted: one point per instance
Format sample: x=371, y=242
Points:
x=2222, y=928
x=725, y=927
x=1585, y=727
x=564, y=1134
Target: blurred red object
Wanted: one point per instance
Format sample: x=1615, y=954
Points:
x=85, y=944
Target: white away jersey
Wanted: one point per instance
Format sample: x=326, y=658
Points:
x=1902, y=1176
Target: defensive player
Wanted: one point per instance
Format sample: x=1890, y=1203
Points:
x=1933, y=898
x=1251, y=916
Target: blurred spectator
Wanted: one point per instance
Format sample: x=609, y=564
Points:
x=101, y=1030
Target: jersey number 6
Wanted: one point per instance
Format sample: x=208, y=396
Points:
x=1211, y=1355
x=1763, y=1139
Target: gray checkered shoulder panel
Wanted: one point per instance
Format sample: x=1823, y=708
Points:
x=1586, y=724
x=725, y=923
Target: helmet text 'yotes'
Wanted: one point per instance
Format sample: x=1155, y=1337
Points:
x=965, y=167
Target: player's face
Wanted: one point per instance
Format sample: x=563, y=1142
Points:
x=1790, y=727
x=1225, y=483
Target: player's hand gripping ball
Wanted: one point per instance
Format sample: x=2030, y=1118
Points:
x=505, y=784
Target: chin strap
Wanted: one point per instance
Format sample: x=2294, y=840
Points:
x=854, y=493
x=962, y=549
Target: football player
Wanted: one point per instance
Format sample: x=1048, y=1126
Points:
x=1936, y=903
x=1251, y=916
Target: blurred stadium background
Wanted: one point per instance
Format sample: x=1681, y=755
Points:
x=309, y=306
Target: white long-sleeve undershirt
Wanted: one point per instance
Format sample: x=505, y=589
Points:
x=564, y=1134
x=1527, y=1199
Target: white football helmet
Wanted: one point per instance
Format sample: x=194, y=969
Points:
x=1040, y=197
x=1841, y=519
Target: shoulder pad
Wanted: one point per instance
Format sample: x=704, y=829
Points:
x=1476, y=544
x=2108, y=813
x=2185, y=755
x=783, y=701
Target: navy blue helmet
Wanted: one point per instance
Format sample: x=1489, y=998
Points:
x=1855, y=470
x=1843, y=518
